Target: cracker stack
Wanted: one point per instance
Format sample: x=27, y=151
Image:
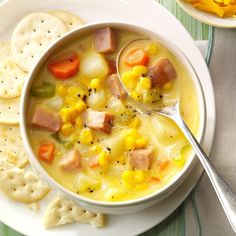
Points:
x=30, y=38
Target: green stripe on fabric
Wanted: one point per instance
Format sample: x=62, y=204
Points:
x=210, y=44
x=174, y=225
x=196, y=215
x=6, y=231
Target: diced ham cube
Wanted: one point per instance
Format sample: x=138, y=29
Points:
x=116, y=86
x=71, y=161
x=141, y=159
x=101, y=121
x=105, y=40
x=112, y=66
x=44, y=119
x=161, y=72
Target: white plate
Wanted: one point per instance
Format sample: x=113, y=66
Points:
x=210, y=19
x=158, y=19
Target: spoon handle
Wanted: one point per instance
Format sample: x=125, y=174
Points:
x=226, y=196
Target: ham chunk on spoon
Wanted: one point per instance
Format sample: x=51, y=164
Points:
x=105, y=40
x=141, y=159
x=101, y=121
x=42, y=118
x=71, y=161
x=161, y=72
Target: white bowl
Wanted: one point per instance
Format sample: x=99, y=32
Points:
x=207, y=18
x=124, y=206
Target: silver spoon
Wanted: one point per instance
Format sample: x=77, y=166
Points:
x=226, y=196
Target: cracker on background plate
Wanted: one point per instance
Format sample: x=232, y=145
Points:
x=70, y=20
x=21, y=185
x=62, y=211
x=9, y=111
x=33, y=34
x=11, y=146
x=11, y=76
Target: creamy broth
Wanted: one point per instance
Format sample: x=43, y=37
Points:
x=113, y=177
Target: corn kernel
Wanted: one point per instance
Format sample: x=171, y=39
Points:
x=130, y=142
x=86, y=136
x=132, y=132
x=144, y=83
x=140, y=143
x=129, y=79
x=79, y=122
x=136, y=96
x=67, y=129
x=80, y=106
x=167, y=86
x=95, y=84
x=138, y=176
x=128, y=178
x=75, y=91
x=61, y=90
x=96, y=148
x=71, y=101
x=152, y=49
x=139, y=70
x=179, y=161
x=103, y=159
x=129, y=75
x=141, y=187
x=67, y=114
x=135, y=123
x=121, y=159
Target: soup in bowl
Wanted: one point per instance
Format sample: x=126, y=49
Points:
x=88, y=138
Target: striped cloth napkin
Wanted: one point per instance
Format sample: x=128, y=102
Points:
x=175, y=224
x=211, y=218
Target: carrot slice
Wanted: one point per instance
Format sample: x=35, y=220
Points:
x=46, y=152
x=136, y=56
x=163, y=164
x=154, y=179
x=65, y=66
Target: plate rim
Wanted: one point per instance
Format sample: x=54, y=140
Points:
x=203, y=16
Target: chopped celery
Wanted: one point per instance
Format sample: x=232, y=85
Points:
x=68, y=144
x=56, y=137
x=46, y=90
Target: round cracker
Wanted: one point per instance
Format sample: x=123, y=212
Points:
x=62, y=211
x=11, y=146
x=21, y=185
x=32, y=36
x=70, y=20
x=11, y=76
x=5, y=52
x=9, y=111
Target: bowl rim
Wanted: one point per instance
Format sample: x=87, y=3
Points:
x=60, y=43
